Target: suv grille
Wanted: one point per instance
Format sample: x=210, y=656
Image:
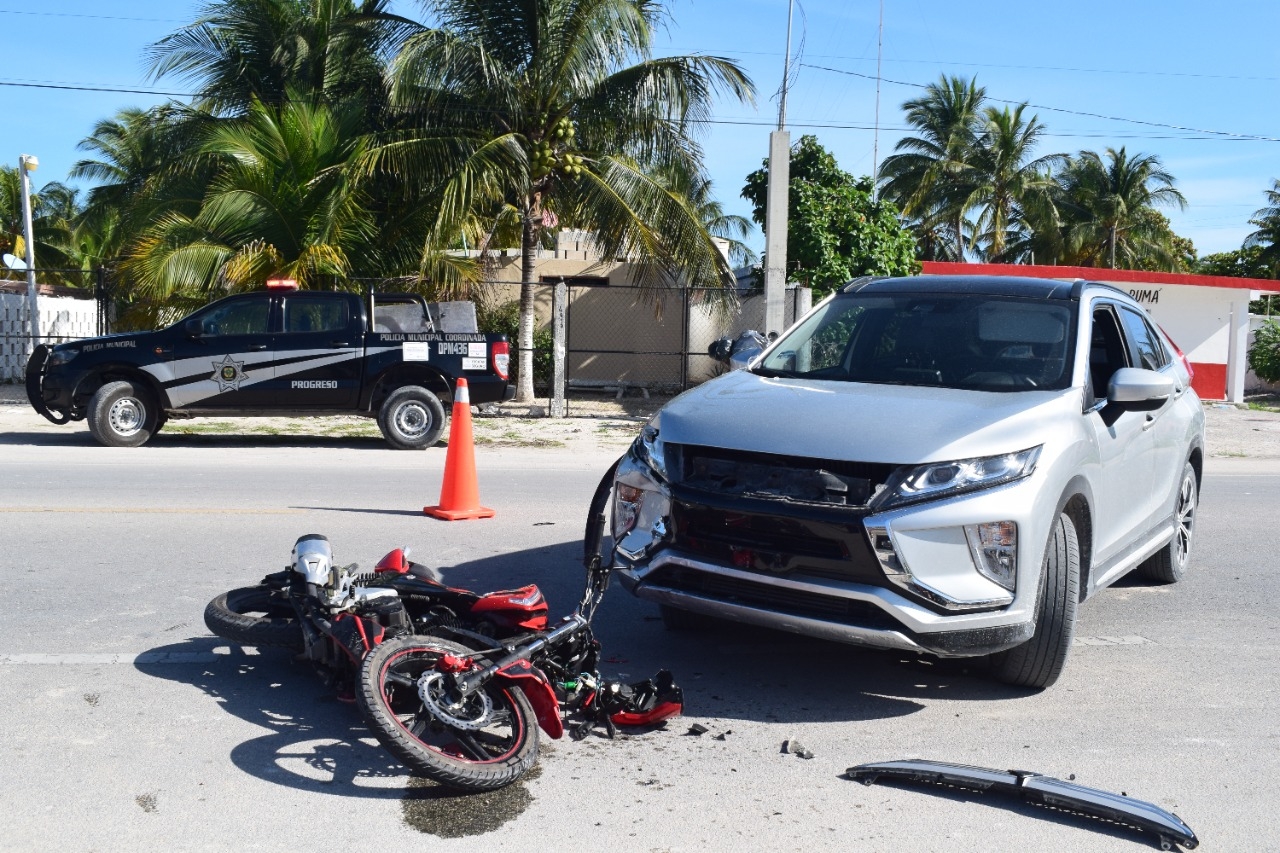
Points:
x=733, y=473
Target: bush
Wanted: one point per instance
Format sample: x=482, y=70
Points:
x=1264, y=353
x=505, y=320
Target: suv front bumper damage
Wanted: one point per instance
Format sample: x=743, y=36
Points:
x=1041, y=790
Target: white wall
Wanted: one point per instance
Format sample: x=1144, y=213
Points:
x=61, y=319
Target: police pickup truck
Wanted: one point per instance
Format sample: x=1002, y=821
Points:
x=281, y=351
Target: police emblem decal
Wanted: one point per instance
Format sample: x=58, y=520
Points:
x=229, y=373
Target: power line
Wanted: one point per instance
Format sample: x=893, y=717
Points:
x=1213, y=135
x=1221, y=133
x=95, y=17
x=1065, y=68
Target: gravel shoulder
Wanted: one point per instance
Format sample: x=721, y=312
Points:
x=600, y=422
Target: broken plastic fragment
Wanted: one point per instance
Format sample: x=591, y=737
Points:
x=697, y=730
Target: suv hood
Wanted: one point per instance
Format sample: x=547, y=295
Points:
x=860, y=422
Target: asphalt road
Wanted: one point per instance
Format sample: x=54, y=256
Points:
x=128, y=727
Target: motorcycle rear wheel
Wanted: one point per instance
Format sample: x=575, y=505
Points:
x=492, y=748
x=255, y=616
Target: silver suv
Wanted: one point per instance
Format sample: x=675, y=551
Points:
x=936, y=464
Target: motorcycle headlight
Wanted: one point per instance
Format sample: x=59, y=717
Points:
x=944, y=479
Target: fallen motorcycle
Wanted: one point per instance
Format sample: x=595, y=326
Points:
x=334, y=615
x=469, y=718
x=454, y=683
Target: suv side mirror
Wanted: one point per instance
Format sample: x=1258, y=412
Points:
x=194, y=328
x=1139, y=390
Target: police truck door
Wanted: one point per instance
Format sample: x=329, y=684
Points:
x=317, y=360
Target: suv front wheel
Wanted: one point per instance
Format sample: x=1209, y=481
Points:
x=122, y=414
x=1038, y=662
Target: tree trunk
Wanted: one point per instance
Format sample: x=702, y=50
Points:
x=1111, y=245
x=960, y=237
x=528, y=302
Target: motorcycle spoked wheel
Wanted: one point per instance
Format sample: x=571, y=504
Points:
x=488, y=742
x=255, y=616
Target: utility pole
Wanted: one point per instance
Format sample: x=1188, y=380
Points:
x=27, y=164
x=777, y=199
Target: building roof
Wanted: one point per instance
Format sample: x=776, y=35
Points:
x=1263, y=285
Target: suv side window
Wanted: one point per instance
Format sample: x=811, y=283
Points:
x=1106, y=350
x=313, y=314
x=1149, y=351
x=242, y=317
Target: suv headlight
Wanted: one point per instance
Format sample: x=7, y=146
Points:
x=944, y=479
x=60, y=357
x=651, y=451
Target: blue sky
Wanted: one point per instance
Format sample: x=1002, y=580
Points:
x=1196, y=84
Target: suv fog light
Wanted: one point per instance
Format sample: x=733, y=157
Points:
x=994, y=547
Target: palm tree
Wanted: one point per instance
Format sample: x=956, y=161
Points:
x=1267, y=237
x=555, y=111
x=270, y=50
x=931, y=179
x=1104, y=201
x=283, y=200
x=1004, y=180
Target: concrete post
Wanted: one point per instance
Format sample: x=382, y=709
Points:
x=559, y=314
x=1237, y=349
x=27, y=164
x=776, y=207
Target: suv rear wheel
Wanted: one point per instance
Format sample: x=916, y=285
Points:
x=122, y=414
x=1169, y=564
x=411, y=418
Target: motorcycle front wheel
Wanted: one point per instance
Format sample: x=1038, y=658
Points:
x=255, y=616
x=485, y=742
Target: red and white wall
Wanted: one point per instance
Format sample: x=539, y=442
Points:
x=1206, y=315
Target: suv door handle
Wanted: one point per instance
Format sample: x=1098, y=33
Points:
x=1150, y=422
x=257, y=347
x=339, y=344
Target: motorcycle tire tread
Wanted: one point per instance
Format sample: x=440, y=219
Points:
x=233, y=616
x=457, y=773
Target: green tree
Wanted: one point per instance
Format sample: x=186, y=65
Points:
x=1264, y=352
x=282, y=200
x=54, y=207
x=1104, y=201
x=1008, y=187
x=550, y=112
x=930, y=177
x=1267, y=238
x=322, y=51
x=836, y=230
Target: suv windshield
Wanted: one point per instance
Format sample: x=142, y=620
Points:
x=973, y=341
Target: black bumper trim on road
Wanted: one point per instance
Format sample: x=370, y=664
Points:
x=1048, y=791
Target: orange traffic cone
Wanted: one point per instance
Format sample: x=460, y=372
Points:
x=460, y=494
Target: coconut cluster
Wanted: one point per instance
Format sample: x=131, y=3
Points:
x=550, y=152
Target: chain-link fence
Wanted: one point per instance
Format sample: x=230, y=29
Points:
x=620, y=339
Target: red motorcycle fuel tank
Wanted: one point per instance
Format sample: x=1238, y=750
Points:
x=515, y=608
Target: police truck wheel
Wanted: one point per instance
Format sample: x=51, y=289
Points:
x=411, y=418
x=122, y=414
